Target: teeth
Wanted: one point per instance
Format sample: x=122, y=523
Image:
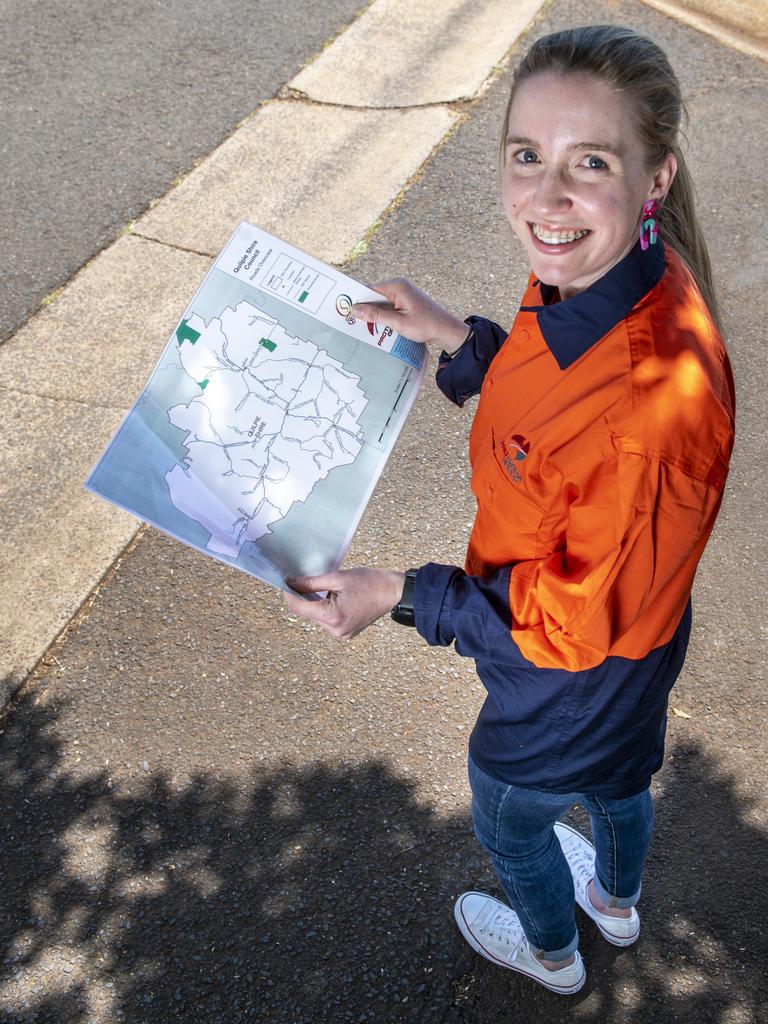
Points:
x=556, y=237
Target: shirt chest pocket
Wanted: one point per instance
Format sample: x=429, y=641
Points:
x=509, y=522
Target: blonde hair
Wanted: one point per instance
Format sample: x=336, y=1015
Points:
x=638, y=68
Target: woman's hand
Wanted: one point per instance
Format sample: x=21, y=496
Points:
x=413, y=314
x=356, y=598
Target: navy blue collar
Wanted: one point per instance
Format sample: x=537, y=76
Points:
x=572, y=326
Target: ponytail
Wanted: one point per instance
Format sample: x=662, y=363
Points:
x=680, y=226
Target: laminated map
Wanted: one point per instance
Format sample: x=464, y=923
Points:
x=269, y=417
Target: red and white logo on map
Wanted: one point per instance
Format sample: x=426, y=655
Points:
x=344, y=308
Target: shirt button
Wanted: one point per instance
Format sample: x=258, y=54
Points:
x=489, y=490
x=523, y=334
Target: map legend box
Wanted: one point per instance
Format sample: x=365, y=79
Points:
x=297, y=283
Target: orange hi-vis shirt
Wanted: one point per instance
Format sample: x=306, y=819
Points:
x=599, y=452
x=601, y=482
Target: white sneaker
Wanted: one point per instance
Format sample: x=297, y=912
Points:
x=494, y=931
x=580, y=854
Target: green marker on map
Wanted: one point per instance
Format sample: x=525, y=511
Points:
x=186, y=333
x=270, y=346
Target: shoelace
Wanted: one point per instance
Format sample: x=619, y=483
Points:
x=502, y=924
x=583, y=871
x=582, y=867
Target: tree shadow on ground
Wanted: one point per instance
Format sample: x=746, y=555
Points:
x=324, y=894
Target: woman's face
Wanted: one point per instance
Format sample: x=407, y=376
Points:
x=575, y=178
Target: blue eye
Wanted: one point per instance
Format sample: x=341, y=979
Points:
x=526, y=156
x=595, y=163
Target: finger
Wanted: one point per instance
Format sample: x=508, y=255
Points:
x=394, y=288
x=313, y=584
x=374, y=313
x=298, y=602
x=298, y=586
x=315, y=611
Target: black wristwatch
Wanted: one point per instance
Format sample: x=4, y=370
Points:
x=403, y=610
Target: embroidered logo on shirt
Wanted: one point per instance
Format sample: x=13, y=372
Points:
x=514, y=451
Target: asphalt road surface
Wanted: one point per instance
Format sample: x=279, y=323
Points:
x=104, y=107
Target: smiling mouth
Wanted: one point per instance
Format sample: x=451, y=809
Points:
x=549, y=236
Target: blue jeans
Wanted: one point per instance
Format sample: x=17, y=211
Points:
x=515, y=825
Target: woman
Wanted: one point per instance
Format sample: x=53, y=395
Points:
x=599, y=454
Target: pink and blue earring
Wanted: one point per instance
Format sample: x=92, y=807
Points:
x=649, y=229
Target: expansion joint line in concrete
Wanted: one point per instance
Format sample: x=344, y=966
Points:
x=171, y=245
x=288, y=95
x=62, y=399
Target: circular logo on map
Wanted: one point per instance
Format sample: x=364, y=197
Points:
x=343, y=308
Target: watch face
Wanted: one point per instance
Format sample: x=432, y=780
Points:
x=403, y=615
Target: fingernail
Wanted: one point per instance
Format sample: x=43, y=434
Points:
x=356, y=311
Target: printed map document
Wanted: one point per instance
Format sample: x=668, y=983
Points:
x=268, y=419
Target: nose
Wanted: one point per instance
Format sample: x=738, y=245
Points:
x=551, y=196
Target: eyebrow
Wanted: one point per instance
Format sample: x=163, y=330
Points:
x=605, y=147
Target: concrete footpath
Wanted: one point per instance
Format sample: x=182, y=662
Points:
x=214, y=813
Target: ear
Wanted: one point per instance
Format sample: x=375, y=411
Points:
x=663, y=177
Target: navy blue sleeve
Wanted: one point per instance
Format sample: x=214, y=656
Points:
x=460, y=376
x=472, y=611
